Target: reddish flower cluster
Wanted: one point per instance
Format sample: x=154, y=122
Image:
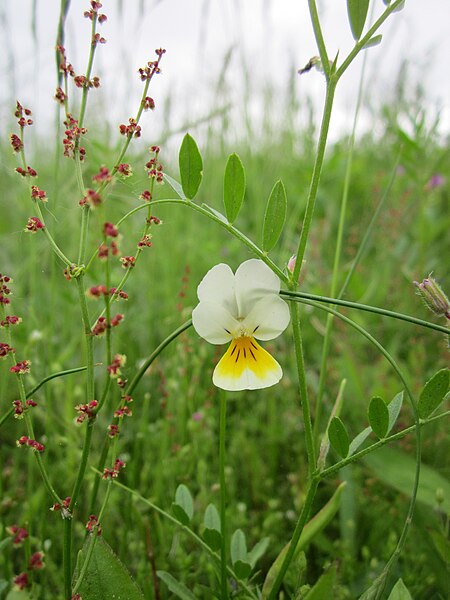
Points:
x=125, y=411
x=10, y=320
x=145, y=242
x=121, y=382
x=97, y=291
x=28, y=171
x=16, y=142
x=153, y=221
x=60, y=96
x=115, y=321
x=5, y=349
x=128, y=262
x=113, y=430
x=92, y=524
x=26, y=441
x=38, y=194
x=36, y=561
x=114, y=472
x=152, y=67
x=20, y=408
x=4, y=289
x=124, y=170
x=23, y=114
x=148, y=103
x=21, y=368
x=73, y=134
x=64, y=66
x=93, y=13
x=110, y=230
x=154, y=167
x=87, y=411
x=98, y=39
x=92, y=198
x=34, y=225
x=102, y=176
x=114, y=368
x=19, y=533
x=104, y=250
x=146, y=195
x=118, y=294
x=81, y=82
x=21, y=581
x=132, y=129
x=102, y=325
x=64, y=507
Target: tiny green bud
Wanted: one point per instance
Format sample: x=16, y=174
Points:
x=433, y=296
x=440, y=496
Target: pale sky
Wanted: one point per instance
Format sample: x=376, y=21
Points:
x=273, y=38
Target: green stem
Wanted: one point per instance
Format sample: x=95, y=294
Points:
x=318, y=164
x=301, y=296
x=319, y=37
x=303, y=388
x=302, y=520
x=67, y=558
x=223, y=492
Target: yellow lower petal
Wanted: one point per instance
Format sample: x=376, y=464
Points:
x=246, y=366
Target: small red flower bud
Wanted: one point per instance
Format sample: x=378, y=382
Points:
x=125, y=170
x=110, y=230
x=16, y=142
x=115, y=321
x=128, y=262
x=145, y=242
x=148, y=103
x=34, y=225
x=21, y=368
x=5, y=349
x=36, y=561
x=113, y=430
x=146, y=195
x=21, y=581
x=10, y=320
x=102, y=176
x=38, y=194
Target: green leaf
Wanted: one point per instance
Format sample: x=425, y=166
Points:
x=357, y=14
x=378, y=416
x=183, y=507
x=175, y=186
x=106, y=576
x=400, y=592
x=233, y=187
x=338, y=436
x=394, y=408
x=397, y=470
x=18, y=595
x=175, y=586
x=376, y=588
x=274, y=216
x=212, y=533
x=191, y=166
x=433, y=393
x=238, y=546
x=359, y=440
x=242, y=569
x=311, y=529
x=374, y=41
x=323, y=588
x=258, y=551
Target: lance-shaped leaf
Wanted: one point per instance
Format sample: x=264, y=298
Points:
x=374, y=41
x=233, y=187
x=275, y=216
x=400, y=591
x=378, y=416
x=175, y=586
x=357, y=15
x=433, y=393
x=338, y=436
x=191, y=166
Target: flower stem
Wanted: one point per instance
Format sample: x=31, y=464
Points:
x=223, y=529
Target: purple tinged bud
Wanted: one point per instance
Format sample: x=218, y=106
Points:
x=433, y=296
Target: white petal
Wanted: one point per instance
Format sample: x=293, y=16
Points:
x=268, y=318
x=211, y=321
x=217, y=286
x=253, y=280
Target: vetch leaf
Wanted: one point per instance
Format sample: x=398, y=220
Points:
x=400, y=592
x=394, y=408
x=323, y=588
x=175, y=186
x=357, y=14
x=242, y=569
x=258, y=551
x=358, y=441
x=338, y=436
x=175, y=586
x=378, y=416
x=212, y=533
x=106, y=576
x=216, y=213
x=183, y=507
x=433, y=393
x=233, y=187
x=274, y=216
x=238, y=546
x=374, y=41
x=191, y=166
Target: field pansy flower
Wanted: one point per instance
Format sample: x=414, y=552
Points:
x=241, y=308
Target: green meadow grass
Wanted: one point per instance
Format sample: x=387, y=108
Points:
x=173, y=436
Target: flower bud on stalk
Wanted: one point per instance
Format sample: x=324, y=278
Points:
x=434, y=297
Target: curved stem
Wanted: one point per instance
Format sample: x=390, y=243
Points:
x=301, y=296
